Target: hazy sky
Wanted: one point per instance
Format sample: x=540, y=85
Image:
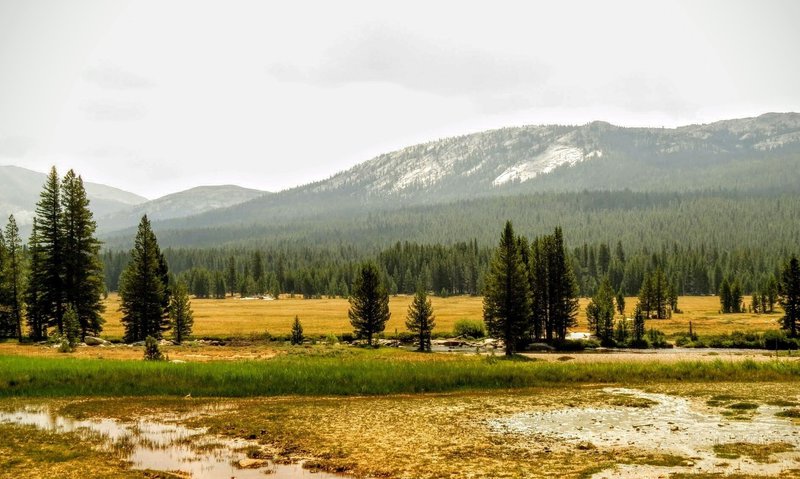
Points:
x=158, y=96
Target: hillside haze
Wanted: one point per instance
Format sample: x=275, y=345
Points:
x=760, y=154
x=20, y=189
x=177, y=205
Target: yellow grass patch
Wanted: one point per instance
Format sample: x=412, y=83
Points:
x=235, y=317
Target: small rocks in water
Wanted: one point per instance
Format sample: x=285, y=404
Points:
x=248, y=463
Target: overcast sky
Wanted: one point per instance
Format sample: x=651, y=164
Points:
x=158, y=96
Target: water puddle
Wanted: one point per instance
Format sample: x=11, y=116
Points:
x=671, y=425
x=163, y=446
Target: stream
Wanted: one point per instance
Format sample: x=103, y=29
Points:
x=164, y=446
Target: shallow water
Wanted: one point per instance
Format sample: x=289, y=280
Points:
x=672, y=425
x=163, y=446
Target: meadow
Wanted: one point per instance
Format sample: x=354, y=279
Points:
x=233, y=317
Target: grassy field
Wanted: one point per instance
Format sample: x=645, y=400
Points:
x=235, y=317
x=347, y=371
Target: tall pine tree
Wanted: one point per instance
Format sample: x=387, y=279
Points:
x=180, y=313
x=563, y=293
x=420, y=319
x=143, y=291
x=15, y=274
x=37, y=309
x=82, y=269
x=369, y=303
x=507, y=299
x=48, y=281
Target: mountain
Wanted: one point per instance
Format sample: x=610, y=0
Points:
x=751, y=154
x=185, y=203
x=20, y=188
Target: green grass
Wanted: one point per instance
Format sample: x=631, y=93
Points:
x=362, y=372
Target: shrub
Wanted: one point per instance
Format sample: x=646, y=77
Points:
x=657, y=339
x=470, y=328
x=151, y=350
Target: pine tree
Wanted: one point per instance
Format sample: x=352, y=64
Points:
x=142, y=289
x=790, y=296
x=258, y=273
x=7, y=327
x=369, y=303
x=72, y=327
x=736, y=297
x=638, y=326
x=621, y=303
x=49, y=279
x=16, y=267
x=420, y=319
x=539, y=289
x=36, y=314
x=180, y=313
x=220, y=288
x=600, y=312
x=230, y=275
x=563, y=294
x=725, y=296
x=507, y=299
x=297, y=332
x=82, y=269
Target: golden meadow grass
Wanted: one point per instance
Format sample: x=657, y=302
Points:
x=235, y=317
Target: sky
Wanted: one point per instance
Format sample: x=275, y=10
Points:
x=158, y=96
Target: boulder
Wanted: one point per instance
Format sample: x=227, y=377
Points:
x=248, y=463
x=93, y=341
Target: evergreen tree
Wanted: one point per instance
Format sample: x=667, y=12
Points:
x=562, y=295
x=152, y=352
x=736, y=297
x=180, y=313
x=420, y=319
x=638, y=326
x=790, y=296
x=621, y=303
x=230, y=274
x=540, y=321
x=600, y=312
x=36, y=314
x=507, y=299
x=220, y=288
x=7, y=327
x=369, y=303
x=72, y=328
x=82, y=269
x=142, y=289
x=725, y=296
x=15, y=278
x=258, y=273
x=297, y=332
x=47, y=279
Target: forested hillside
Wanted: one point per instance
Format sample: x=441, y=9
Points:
x=760, y=155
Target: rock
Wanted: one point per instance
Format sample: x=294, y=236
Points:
x=248, y=463
x=178, y=361
x=165, y=342
x=93, y=341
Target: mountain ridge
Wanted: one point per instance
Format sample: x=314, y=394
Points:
x=749, y=153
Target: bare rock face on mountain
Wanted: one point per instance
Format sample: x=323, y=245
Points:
x=746, y=154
